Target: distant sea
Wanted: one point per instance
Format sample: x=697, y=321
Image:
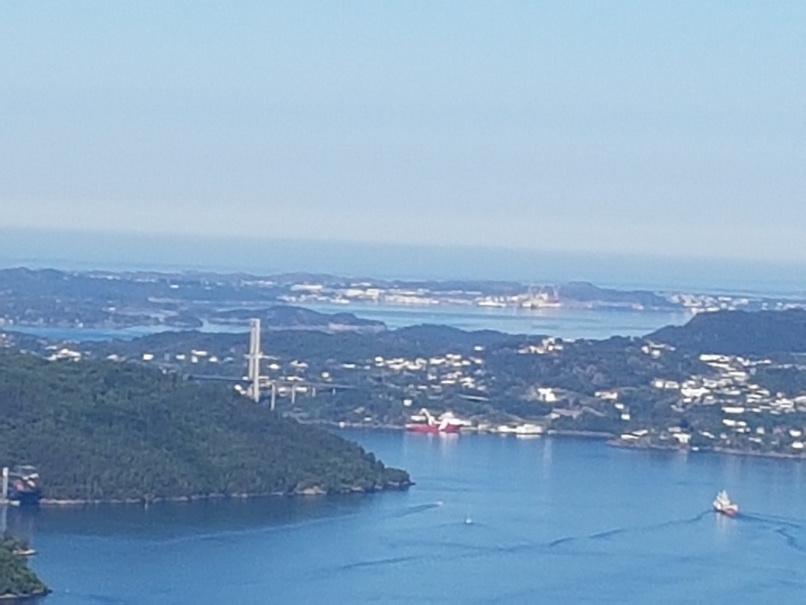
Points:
x=567, y=323
x=129, y=252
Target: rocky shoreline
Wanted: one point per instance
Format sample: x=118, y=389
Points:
x=713, y=450
x=320, y=491
x=11, y=598
x=582, y=434
x=469, y=430
x=610, y=438
x=314, y=490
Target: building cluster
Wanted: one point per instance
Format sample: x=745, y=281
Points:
x=432, y=376
x=193, y=356
x=63, y=353
x=728, y=404
x=706, y=303
x=745, y=414
x=544, y=347
x=367, y=292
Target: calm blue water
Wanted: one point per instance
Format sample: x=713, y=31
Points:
x=552, y=519
x=86, y=334
x=563, y=322
x=90, y=334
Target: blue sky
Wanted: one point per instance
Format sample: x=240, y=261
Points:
x=659, y=128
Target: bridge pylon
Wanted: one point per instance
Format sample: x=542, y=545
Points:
x=253, y=360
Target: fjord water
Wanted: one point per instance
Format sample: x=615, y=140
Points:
x=491, y=519
x=563, y=322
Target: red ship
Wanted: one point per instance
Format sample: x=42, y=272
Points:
x=424, y=422
x=442, y=427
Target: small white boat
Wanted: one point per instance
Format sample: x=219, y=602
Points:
x=722, y=504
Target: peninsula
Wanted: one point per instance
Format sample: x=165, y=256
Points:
x=108, y=432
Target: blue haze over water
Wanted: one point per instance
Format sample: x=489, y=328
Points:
x=87, y=251
x=551, y=519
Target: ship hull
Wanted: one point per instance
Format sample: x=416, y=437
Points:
x=432, y=428
x=25, y=498
x=23, y=489
x=728, y=511
x=722, y=504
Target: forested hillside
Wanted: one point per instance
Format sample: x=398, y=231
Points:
x=107, y=431
x=739, y=333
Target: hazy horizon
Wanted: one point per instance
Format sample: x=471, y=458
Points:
x=634, y=128
x=115, y=251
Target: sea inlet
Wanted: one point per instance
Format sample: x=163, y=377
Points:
x=491, y=519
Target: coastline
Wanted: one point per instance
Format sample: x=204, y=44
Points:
x=11, y=598
x=463, y=431
x=582, y=434
x=705, y=450
x=305, y=492
x=610, y=438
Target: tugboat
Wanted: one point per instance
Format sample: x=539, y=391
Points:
x=23, y=485
x=722, y=504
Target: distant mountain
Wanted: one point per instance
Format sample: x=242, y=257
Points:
x=587, y=292
x=316, y=346
x=285, y=317
x=431, y=338
x=739, y=333
x=304, y=277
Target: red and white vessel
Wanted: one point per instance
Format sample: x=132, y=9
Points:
x=424, y=422
x=722, y=504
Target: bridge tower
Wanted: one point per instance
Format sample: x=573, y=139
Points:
x=253, y=360
x=4, y=489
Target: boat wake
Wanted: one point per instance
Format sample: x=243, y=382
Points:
x=377, y=563
x=774, y=519
x=619, y=531
x=417, y=508
x=791, y=541
x=783, y=527
x=88, y=597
